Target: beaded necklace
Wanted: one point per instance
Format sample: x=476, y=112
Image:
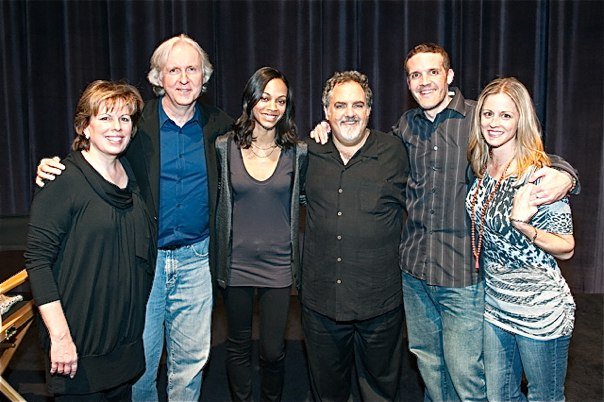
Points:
x=477, y=247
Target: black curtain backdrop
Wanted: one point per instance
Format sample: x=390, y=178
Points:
x=50, y=50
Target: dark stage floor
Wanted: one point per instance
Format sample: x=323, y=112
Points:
x=585, y=379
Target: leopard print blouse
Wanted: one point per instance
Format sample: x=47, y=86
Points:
x=525, y=291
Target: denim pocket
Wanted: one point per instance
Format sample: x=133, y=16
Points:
x=201, y=248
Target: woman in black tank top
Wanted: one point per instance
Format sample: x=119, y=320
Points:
x=261, y=166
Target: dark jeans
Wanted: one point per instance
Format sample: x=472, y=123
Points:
x=274, y=307
x=374, y=346
x=121, y=393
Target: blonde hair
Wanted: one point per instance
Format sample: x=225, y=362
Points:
x=108, y=94
x=159, y=58
x=529, y=146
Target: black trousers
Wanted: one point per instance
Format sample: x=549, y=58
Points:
x=374, y=346
x=274, y=307
x=121, y=393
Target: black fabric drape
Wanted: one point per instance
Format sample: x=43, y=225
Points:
x=50, y=50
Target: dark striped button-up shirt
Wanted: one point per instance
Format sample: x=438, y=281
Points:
x=436, y=239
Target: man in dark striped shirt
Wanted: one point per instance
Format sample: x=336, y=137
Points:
x=443, y=293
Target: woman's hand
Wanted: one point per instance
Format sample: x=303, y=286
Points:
x=553, y=185
x=63, y=353
x=63, y=356
x=523, y=209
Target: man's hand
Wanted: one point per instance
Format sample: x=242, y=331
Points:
x=321, y=132
x=48, y=169
x=553, y=185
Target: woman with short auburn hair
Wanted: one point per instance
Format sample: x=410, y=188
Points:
x=90, y=254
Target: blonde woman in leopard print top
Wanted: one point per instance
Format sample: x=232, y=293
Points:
x=529, y=311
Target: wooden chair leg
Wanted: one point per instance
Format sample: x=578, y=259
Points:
x=10, y=392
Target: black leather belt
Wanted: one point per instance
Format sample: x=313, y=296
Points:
x=171, y=247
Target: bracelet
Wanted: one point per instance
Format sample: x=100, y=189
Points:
x=573, y=184
x=516, y=220
x=534, y=236
x=573, y=180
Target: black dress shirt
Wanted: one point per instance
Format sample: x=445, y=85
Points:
x=353, y=228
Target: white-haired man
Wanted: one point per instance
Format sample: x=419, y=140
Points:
x=174, y=162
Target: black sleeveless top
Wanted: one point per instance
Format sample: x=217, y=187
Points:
x=261, y=249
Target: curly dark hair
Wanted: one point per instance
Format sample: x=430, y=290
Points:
x=286, y=133
x=341, y=77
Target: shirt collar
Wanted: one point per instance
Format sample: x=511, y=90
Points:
x=458, y=103
x=457, y=107
x=163, y=116
x=368, y=149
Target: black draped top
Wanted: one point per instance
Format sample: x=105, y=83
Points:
x=91, y=245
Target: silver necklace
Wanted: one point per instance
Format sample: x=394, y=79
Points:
x=263, y=156
x=264, y=149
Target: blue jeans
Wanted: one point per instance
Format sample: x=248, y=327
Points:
x=507, y=354
x=444, y=326
x=179, y=309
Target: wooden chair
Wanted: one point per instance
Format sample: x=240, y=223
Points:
x=15, y=324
